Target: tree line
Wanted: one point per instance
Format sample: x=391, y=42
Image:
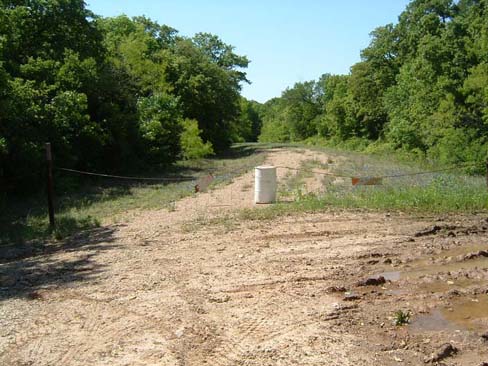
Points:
x=421, y=86
x=112, y=94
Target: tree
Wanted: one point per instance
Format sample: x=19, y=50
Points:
x=192, y=144
x=208, y=87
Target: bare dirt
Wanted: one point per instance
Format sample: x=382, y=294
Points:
x=181, y=287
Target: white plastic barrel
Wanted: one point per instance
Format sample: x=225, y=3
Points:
x=265, y=184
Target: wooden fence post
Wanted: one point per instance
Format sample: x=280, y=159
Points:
x=50, y=190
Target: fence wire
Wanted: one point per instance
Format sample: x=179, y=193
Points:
x=316, y=172
x=154, y=179
x=202, y=182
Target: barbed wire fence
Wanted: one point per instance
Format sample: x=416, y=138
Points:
x=201, y=183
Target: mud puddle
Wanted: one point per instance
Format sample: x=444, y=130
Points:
x=462, y=258
x=463, y=314
x=462, y=250
x=433, y=269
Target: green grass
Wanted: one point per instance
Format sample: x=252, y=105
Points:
x=83, y=204
x=447, y=192
x=401, y=318
x=291, y=185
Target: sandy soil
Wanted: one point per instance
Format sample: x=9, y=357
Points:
x=176, y=288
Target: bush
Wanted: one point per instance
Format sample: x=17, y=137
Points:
x=192, y=144
x=159, y=115
x=458, y=146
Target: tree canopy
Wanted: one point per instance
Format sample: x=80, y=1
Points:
x=421, y=86
x=111, y=93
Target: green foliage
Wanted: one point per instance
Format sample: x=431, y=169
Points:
x=159, y=124
x=248, y=127
x=110, y=93
x=86, y=204
x=421, y=87
x=192, y=144
x=401, y=317
x=67, y=225
x=459, y=145
x=274, y=128
x=3, y=145
x=449, y=192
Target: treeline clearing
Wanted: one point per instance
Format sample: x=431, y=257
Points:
x=421, y=87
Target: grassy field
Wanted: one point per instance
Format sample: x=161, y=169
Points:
x=438, y=192
x=83, y=203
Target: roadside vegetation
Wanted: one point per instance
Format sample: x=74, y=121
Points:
x=420, y=88
x=129, y=96
x=86, y=203
x=117, y=94
x=448, y=191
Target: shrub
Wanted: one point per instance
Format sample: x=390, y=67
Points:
x=192, y=144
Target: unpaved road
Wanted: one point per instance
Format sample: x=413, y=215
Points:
x=185, y=288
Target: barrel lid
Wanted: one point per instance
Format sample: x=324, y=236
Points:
x=265, y=167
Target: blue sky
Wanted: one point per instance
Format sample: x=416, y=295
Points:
x=287, y=41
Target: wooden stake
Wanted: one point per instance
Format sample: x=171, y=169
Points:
x=50, y=185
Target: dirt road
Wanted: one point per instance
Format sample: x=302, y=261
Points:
x=181, y=287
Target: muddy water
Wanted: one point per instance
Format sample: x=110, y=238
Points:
x=462, y=250
x=445, y=286
x=464, y=314
x=422, y=269
x=471, y=314
x=446, y=261
x=390, y=276
x=434, y=321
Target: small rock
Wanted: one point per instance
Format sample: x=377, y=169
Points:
x=484, y=336
x=179, y=332
x=481, y=253
x=333, y=289
x=454, y=293
x=351, y=297
x=219, y=299
x=435, y=229
x=372, y=281
x=445, y=351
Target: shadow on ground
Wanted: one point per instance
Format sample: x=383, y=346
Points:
x=241, y=151
x=33, y=269
x=24, y=218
